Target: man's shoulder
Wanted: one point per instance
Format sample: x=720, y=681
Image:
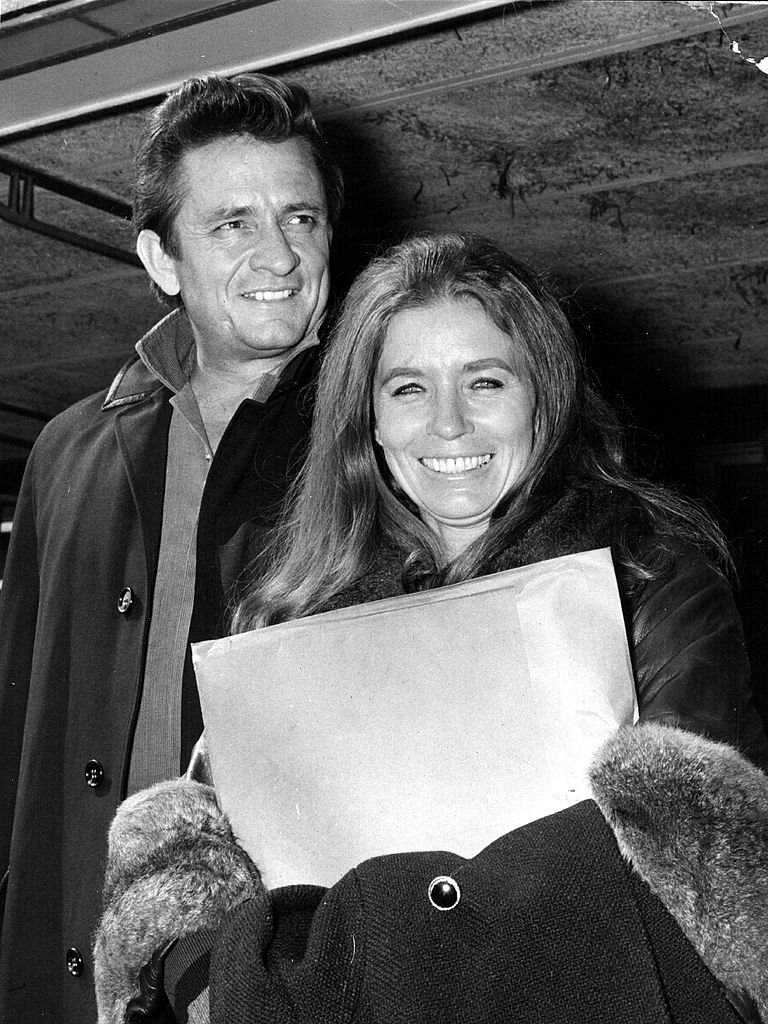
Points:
x=133, y=383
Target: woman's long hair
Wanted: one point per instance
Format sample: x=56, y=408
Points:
x=343, y=504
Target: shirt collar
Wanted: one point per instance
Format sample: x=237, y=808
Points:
x=168, y=352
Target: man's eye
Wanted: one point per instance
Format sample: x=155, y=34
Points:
x=301, y=220
x=231, y=225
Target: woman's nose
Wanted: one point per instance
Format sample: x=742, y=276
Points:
x=273, y=252
x=449, y=417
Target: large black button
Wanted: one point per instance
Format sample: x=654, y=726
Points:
x=125, y=600
x=75, y=963
x=94, y=773
x=444, y=892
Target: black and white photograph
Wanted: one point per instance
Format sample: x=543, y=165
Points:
x=383, y=512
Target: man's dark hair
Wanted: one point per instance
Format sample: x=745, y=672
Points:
x=210, y=108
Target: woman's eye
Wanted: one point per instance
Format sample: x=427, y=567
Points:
x=483, y=383
x=411, y=388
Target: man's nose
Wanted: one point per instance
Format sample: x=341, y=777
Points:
x=272, y=251
x=449, y=417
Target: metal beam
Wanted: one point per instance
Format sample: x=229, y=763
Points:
x=65, y=31
x=20, y=208
x=269, y=35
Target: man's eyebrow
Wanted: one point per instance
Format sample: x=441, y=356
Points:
x=228, y=213
x=224, y=213
x=311, y=206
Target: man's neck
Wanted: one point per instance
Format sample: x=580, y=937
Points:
x=220, y=394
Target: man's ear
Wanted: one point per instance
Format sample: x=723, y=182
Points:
x=159, y=265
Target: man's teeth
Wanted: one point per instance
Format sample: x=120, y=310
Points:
x=269, y=296
x=462, y=464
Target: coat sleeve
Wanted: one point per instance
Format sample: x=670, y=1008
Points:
x=18, y=617
x=174, y=869
x=690, y=659
x=691, y=818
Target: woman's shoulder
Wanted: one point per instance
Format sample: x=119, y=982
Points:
x=679, y=551
x=675, y=570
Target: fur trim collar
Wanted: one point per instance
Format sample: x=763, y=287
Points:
x=691, y=817
x=174, y=868
x=582, y=519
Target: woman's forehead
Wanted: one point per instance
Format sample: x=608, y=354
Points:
x=455, y=328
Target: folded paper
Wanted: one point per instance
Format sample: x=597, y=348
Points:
x=437, y=720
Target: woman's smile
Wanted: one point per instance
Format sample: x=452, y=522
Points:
x=457, y=464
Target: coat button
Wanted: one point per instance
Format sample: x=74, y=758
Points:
x=125, y=600
x=444, y=892
x=75, y=963
x=94, y=773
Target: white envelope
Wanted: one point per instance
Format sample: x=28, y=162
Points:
x=438, y=720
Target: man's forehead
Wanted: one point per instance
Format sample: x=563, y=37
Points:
x=236, y=171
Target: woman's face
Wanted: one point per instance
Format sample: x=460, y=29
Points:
x=454, y=413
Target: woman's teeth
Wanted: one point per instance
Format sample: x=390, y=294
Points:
x=461, y=464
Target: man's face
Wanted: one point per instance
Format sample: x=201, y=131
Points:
x=254, y=239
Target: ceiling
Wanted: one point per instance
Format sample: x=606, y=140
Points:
x=620, y=143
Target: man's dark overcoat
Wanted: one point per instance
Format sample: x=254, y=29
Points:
x=73, y=632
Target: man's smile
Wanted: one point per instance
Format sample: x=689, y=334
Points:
x=270, y=296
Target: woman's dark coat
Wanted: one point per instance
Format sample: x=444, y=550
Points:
x=86, y=528
x=645, y=905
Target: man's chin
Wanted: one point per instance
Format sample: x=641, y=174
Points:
x=272, y=344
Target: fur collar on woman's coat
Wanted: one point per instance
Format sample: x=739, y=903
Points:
x=688, y=814
x=583, y=518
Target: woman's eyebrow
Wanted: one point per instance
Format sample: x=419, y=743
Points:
x=400, y=371
x=491, y=363
x=494, y=362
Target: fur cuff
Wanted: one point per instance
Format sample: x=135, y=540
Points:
x=173, y=868
x=691, y=817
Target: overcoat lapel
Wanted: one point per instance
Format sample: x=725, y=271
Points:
x=141, y=432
